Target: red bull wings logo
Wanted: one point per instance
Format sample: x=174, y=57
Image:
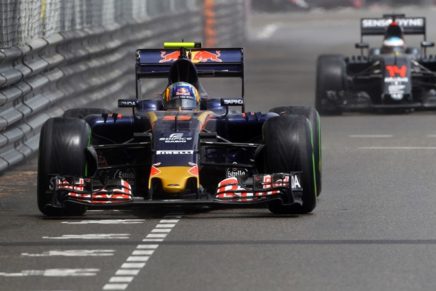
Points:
x=196, y=57
x=182, y=91
x=206, y=56
x=169, y=57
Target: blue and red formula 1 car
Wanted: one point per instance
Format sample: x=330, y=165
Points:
x=183, y=148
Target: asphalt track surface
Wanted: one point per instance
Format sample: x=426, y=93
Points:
x=374, y=227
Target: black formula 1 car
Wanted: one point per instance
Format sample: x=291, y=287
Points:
x=214, y=156
x=394, y=76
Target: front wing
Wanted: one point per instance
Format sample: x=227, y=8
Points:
x=231, y=192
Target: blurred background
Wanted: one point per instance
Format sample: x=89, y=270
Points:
x=296, y=5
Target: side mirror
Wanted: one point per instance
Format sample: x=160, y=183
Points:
x=232, y=102
x=228, y=102
x=127, y=103
x=361, y=45
x=426, y=44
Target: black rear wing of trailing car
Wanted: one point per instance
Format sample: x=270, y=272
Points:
x=378, y=26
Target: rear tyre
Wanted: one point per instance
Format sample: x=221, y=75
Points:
x=288, y=148
x=330, y=79
x=81, y=113
x=62, y=151
x=312, y=115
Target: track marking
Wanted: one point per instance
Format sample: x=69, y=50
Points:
x=123, y=279
x=151, y=247
x=127, y=272
x=54, y=273
x=431, y=135
x=141, y=254
x=107, y=221
x=169, y=221
x=133, y=265
x=165, y=225
x=161, y=230
x=397, y=148
x=90, y=236
x=156, y=235
x=138, y=258
x=113, y=286
x=152, y=239
x=267, y=31
x=370, y=136
x=72, y=253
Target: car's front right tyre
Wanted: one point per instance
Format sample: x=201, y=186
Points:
x=62, y=151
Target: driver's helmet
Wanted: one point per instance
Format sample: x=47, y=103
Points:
x=393, y=41
x=181, y=95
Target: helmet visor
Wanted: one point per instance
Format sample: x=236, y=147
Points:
x=185, y=103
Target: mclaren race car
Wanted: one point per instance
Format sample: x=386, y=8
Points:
x=183, y=148
x=394, y=76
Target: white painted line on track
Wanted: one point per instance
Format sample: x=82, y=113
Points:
x=54, y=273
x=431, y=135
x=165, y=225
x=142, y=253
x=168, y=221
x=123, y=279
x=161, y=230
x=107, y=221
x=96, y=236
x=370, y=136
x=115, y=286
x=72, y=253
x=133, y=265
x=138, y=258
x=267, y=31
x=127, y=272
x=397, y=148
x=153, y=247
x=156, y=235
x=152, y=239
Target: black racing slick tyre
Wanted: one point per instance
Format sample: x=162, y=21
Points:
x=330, y=80
x=62, y=151
x=312, y=115
x=81, y=113
x=288, y=148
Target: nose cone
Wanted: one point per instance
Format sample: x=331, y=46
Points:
x=174, y=179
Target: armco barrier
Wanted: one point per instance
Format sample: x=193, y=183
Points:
x=49, y=75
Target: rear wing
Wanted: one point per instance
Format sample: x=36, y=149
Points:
x=209, y=62
x=377, y=26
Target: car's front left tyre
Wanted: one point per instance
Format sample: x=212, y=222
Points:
x=312, y=115
x=288, y=148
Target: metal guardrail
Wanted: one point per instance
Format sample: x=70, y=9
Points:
x=49, y=75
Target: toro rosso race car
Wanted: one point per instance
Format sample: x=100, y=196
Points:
x=183, y=148
x=394, y=76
